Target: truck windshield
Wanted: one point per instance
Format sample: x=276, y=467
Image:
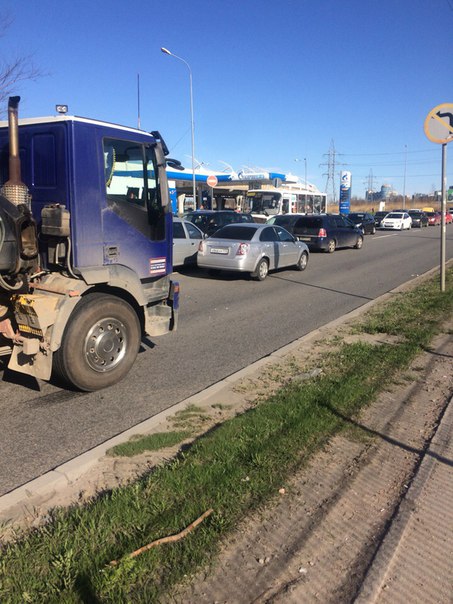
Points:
x=265, y=202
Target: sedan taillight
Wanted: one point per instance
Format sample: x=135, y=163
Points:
x=243, y=248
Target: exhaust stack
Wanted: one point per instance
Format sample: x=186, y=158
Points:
x=14, y=189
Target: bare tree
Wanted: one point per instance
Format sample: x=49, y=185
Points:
x=15, y=70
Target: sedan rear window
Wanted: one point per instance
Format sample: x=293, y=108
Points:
x=235, y=232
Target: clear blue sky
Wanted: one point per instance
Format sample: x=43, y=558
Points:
x=272, y=81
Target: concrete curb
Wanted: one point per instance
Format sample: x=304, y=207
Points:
x=45, y=486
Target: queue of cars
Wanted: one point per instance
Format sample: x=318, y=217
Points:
x=232, y=241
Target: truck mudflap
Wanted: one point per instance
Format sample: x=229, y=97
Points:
x=31, y=353
x=162, y=318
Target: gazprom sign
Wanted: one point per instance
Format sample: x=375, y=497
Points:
x=345, y=192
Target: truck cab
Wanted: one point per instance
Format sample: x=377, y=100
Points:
x=99, y=197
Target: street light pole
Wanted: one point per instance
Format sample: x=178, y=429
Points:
x=167, y=52
x=404, y=181
x=305, y=203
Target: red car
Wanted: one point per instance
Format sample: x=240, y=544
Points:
x=448, y=218
x=433, y=218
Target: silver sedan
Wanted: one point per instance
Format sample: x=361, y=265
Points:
x=252, y=248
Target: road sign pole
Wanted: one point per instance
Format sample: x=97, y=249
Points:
x=439, y=129
x=212, y=181
x=443, y=212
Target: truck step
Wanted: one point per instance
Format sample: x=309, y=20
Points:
x=158, y=319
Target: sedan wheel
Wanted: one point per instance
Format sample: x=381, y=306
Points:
x=303, y=262
x=331, y=246
x=260, y=273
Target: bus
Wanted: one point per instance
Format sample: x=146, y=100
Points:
x=264, y=203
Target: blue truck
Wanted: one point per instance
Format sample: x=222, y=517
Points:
x=85, y=247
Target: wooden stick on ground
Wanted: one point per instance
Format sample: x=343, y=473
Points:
x=169, y=539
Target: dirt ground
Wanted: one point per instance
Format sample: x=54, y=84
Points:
x=316, y=539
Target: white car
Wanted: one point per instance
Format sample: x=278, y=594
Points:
x=397, y=221
x=186, y=237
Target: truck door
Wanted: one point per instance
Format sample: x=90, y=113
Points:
x=137, y=223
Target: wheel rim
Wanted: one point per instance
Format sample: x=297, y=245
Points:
x=105, y=344
x=359, y=242
x=331, y=246
x=303, y=261
x=262, y=270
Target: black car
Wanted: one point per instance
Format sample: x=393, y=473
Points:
x=419, y=219
x=321, y=232
x=209, y=221
x=363, y=221
x=378, y=217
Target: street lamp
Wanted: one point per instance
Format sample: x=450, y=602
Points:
x=305, y=181
x=167, y=52
x=305, y=204
x=404, y=181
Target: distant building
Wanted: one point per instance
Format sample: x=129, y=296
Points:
x=386, y=192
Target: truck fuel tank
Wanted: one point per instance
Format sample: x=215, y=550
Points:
x=55, y=221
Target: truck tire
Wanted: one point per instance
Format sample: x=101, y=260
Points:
x=100, y=343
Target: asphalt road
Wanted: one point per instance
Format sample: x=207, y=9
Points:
x=225, y=323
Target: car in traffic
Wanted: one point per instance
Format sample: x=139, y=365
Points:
x=448, y=217
x=322, y=232
x=396, y=220
x=209, y=221
x=434, y=218
x=378, y=217
x=419, y=218
x=363, y=221
x=186, y=237
x=252, y=248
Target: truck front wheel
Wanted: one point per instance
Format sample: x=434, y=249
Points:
x=100, y=343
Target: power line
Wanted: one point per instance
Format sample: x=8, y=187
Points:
x=390, y=152
x=395, y=163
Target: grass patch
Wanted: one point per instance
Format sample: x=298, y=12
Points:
x=233, y=469
x=150, y=442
